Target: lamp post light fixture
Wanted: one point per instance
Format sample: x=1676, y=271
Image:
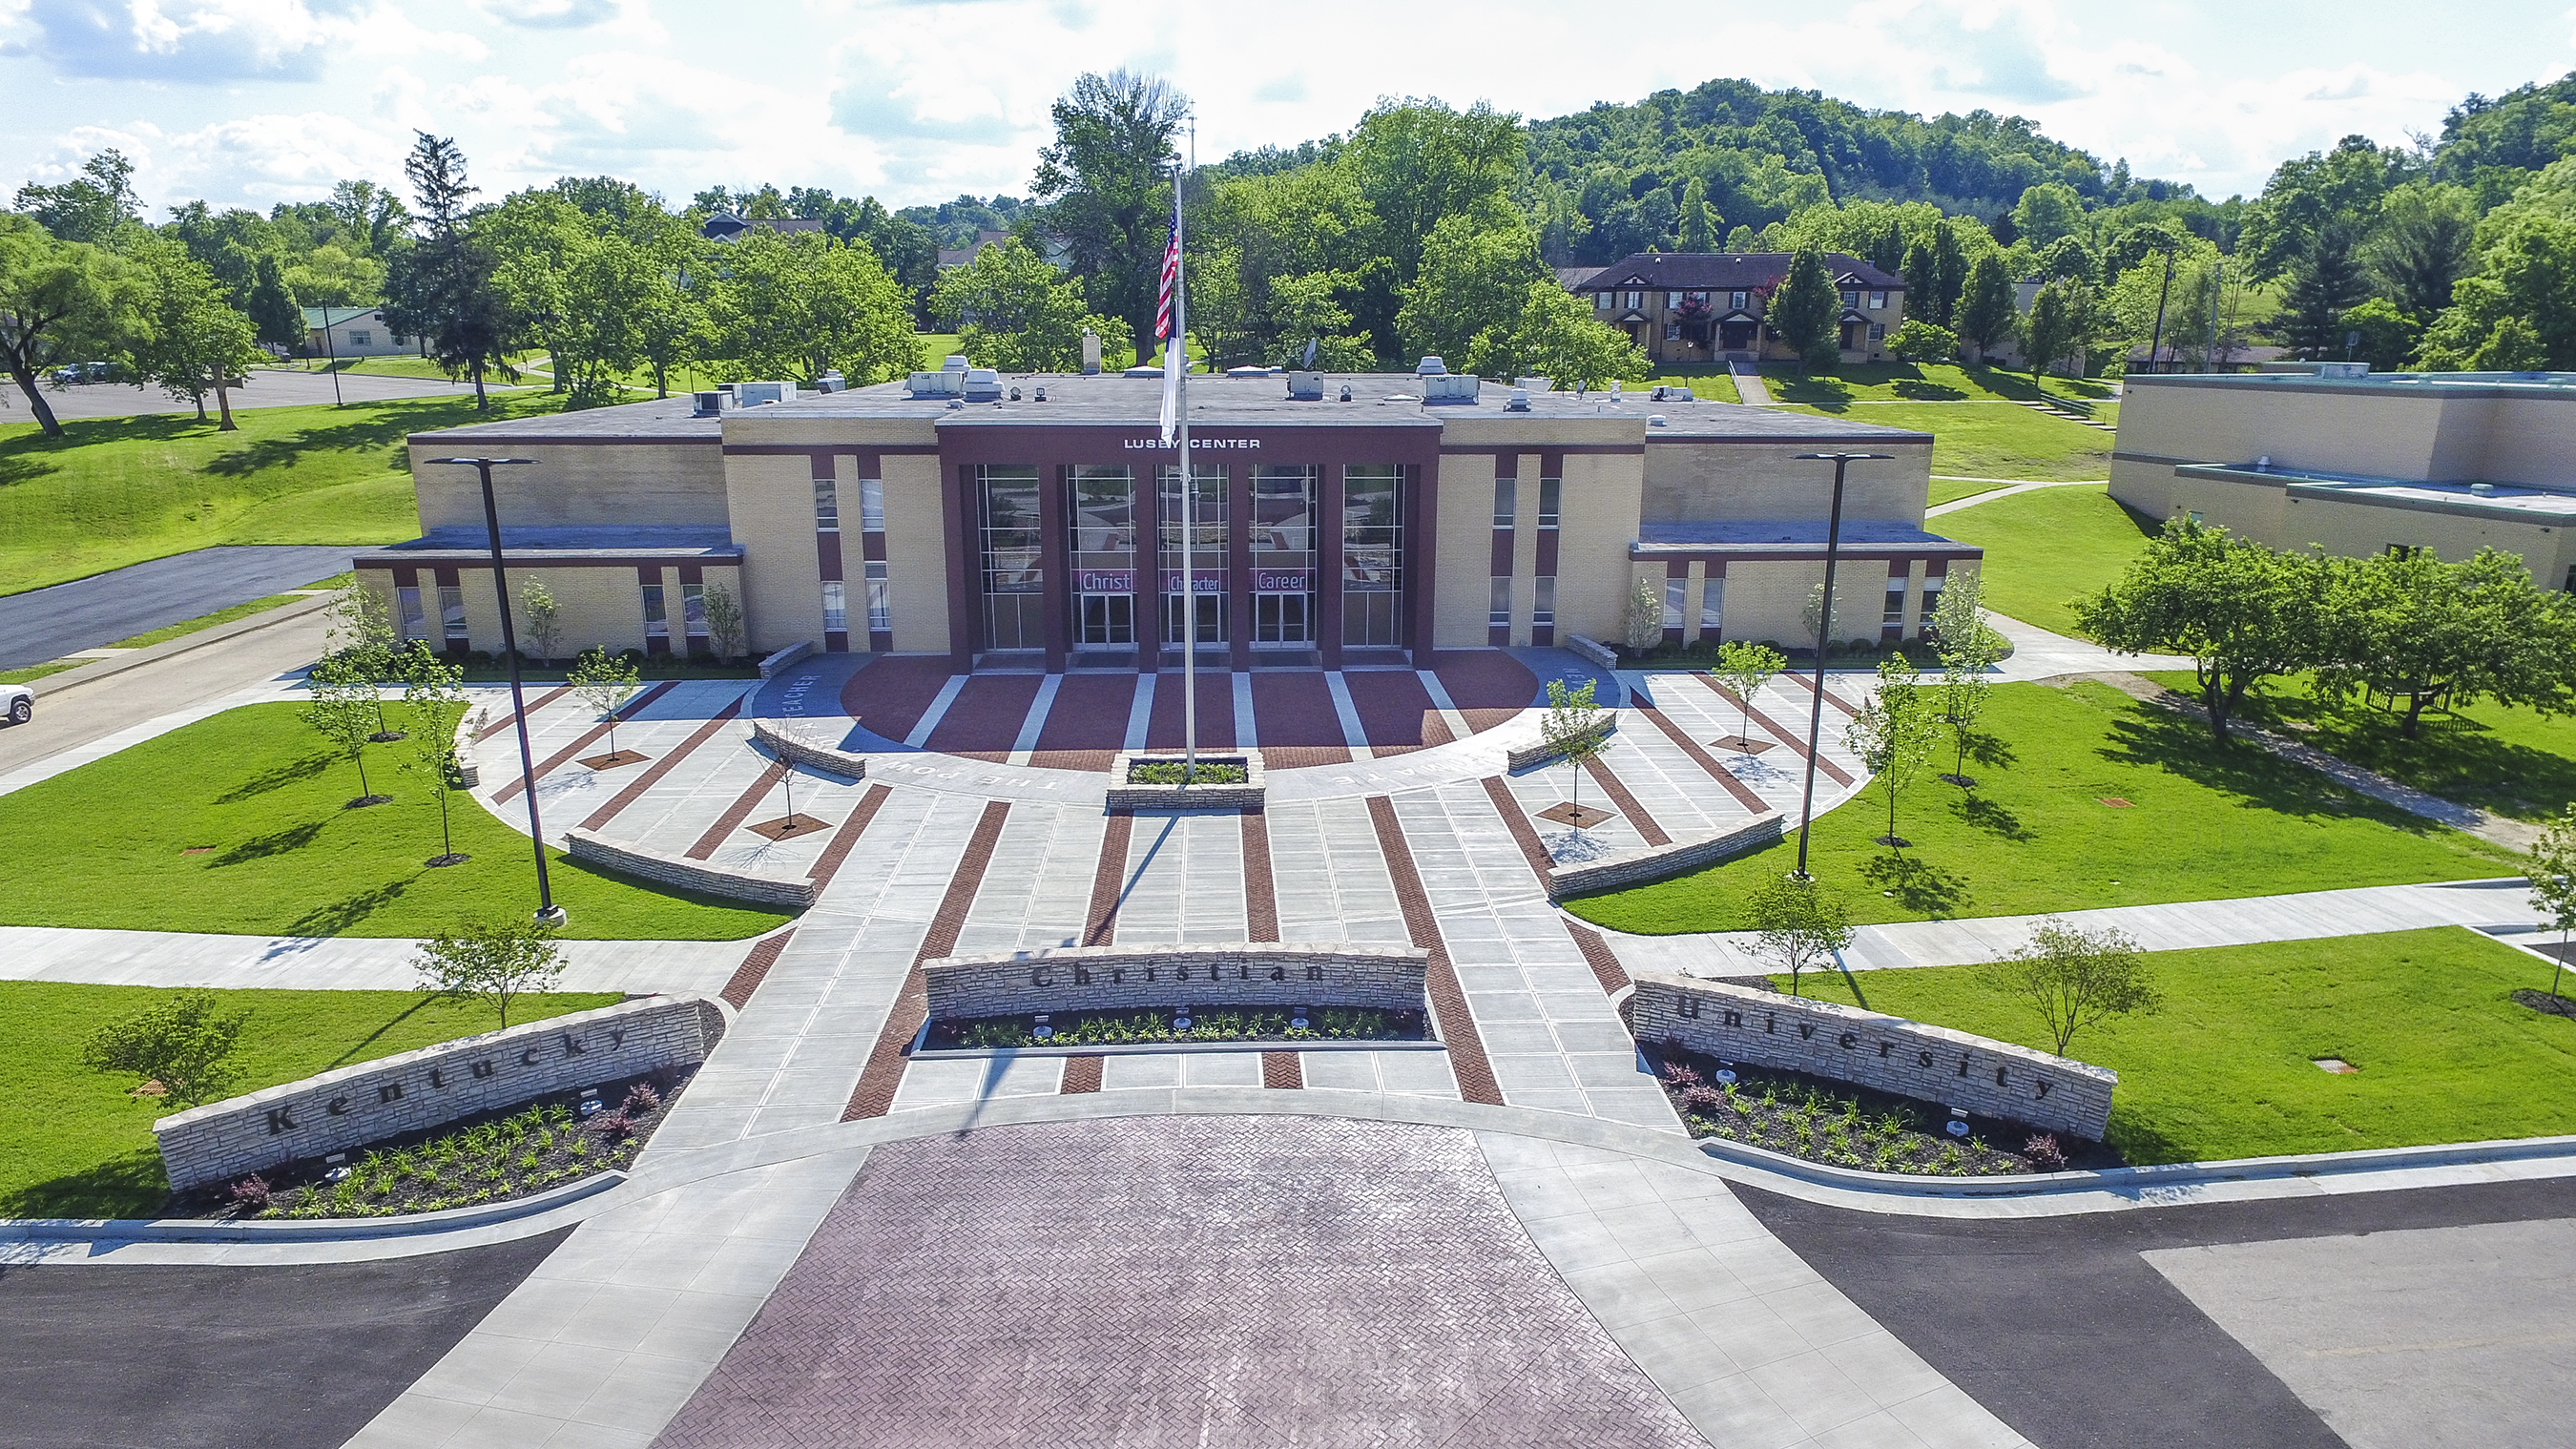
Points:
x=548, y=913
x=1824, y=636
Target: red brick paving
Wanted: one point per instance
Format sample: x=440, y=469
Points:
x=1395, y=710
x=1283, y=1071
x=1165, y=728
x=1617, y=790
x=1487, y=685
x=1081, y=1074
x=1159, y=1282
x=538, y=703
x=984, y=721
x=595, y=734
x=1596, y=954
x=888, y=696
x=1260, y=888
x=754, y=969
x=1087, y=725
x=1807, y=682
x=874, y=1095
x=653, y=772
x=740, y=811
x=1292, y=710
x=866, y=810
x=1109, y=880
x=1457, y=1025
x=1742, y=792
x=1524, y=834
x=1796, y=742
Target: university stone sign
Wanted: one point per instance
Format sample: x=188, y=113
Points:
x=228, y=1140
x=1845, y=1044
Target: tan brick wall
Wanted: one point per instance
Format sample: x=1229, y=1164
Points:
x=1599, y=522
x=593, y=485
x=1461, y=583
x=1768, y=600
x=1730, y=482
x=916, y=553
x=772, y=502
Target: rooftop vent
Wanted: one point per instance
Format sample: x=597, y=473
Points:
x=2483, y=490
x=983, y=384
x=1535, y=384
x=939, y=384
x=1346, y=392
x=1654, y=420
x=1248, y=372
x=708, y=404
x=1306, y=386
x=832, y=382
x=755, y=394
x=955, y=362
x=1519, y=402
x=1430, y=367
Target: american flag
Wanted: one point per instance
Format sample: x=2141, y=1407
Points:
x=1171, y=277
x=1168, y=325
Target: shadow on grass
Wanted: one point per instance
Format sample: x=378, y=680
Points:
x=1990, y=751
x=278, y=777
x=2452, y=755
x=395, y=1020
x=2183, y=747
x=286, y=452
x=276, y=842
x=129, y=1186
x=1919, y=885
x=1994, y=819
x=17, y=469
x=340, y=916
x=1926, y=391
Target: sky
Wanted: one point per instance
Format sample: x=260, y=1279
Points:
x=252, y=102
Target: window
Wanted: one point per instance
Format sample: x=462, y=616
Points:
x=1878, y=301
x=693, y=611
x=657, y=624
x=1203, y=601
x=1712, y=606
x=872, y=505
x=1506, y=501
x=1543, y=614
x=1372, y=553
x=1877, y=333
x=1672, y=331
x=827, y=506
x=1009, y=546
x=836, y=607
x=1700, y=298
x=415, y=624
x=451, y=614
x=1672, y=301
x=1676, y=597
x=1499, y=615
x=1550, y=492
x=880, y=598
x=1600, y=301
x=1894, y=618
x=1851, y=298
x=1636, y=300
x=1735, y=300
x=1932, y=597
x=362, y=339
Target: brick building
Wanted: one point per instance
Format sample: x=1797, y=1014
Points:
x=1708, y=306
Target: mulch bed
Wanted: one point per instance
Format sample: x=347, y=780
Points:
x=1847, y=1126
x=2542, y=1001
x=513, y=1152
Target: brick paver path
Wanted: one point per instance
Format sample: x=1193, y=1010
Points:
x=1142, y=1282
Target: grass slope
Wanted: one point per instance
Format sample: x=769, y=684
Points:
x=76, y=1145
x=1990, y=440
x=1929, y=382
x=2226, y=1069
x=2202, y=823
x=2045, y=547
x=117, y=491
x=102, y=846
x=2514, y=762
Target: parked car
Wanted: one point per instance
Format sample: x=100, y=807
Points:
x=18, y=702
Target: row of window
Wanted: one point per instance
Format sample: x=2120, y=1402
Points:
x=1853, y=297
x=1712, y=603
x=453, y=632
x=1507, y=501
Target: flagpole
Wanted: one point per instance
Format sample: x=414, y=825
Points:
x=1189, y=489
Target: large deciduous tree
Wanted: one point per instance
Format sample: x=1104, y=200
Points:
x=1106, y=183
x=1414, y=163
x=91, y=207
x=1014, y=312
x=802, y=305
x=2424, y=634
x=2243, y=611
x=1986, y=315
x=443, y=288
x=1475, y=275
x=1556, y=336
x=1806, y=310
x=189, y=339
x=60, y=302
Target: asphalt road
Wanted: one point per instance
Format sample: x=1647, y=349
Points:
x=2069, y=1333
x=94, y=710
x=269, y=387
x=49, y=623
x=234, y=1358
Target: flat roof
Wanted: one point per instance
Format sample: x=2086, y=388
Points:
x=570, y=540
x=2515, y=501
x=1774, y=533
x=1215, y=400
x=2492, y=384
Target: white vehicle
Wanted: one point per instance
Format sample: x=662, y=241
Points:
x=18, y=702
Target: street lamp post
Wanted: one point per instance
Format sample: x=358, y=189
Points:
x=1824, y=636
x=548, y=913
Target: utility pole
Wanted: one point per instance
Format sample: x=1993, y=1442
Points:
x=2156, y=341
x=1824, y=637
x=548, y=913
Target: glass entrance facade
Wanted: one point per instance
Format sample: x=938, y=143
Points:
x=1372, y=555
x=1101, y=514
x=1009, y=541
x=1283, y=556
x=1202, y=596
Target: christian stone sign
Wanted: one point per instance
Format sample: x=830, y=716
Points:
x=1121, y=978
x=1847, y=1044
x=228, y=1140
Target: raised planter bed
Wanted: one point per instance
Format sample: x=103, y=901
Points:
x=797, y=751
x=1544, y=751
x=705, y=877
x=1242, y=787
x=1657, y=862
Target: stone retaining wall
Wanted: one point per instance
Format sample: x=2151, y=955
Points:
x=1592, y=651
x=705, y=877
x=1121, y=978
x=1540, y=753
x=1846, y=1044
x=822, y=758
x=1246, y=796
x=226, y=1141
x=771, y=666
x=1658, y=861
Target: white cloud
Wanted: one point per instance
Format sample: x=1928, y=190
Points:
x=205, y=42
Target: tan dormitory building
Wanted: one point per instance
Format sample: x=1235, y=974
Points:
x=2361, y=464
x=1036, y=521
x=1686, y=307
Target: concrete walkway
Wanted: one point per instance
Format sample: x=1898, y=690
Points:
x=2181, y=926
x=1973, y=499
x=334, y=963
x=1749, y=385
x=2038, y=654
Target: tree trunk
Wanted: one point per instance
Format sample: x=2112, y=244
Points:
x=2415, y=704
x=358, y=757
x=482, y=403
x=36, y=403
x=224, y=405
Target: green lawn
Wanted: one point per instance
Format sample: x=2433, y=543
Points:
x=404, y=365
x=1988, y=439
x=1707, y=382
x=1926, y=382
x=2514, y=762
x=1949, y=490
x=2201, y=823
x=76, y=1145
x=2045, y=547
x=258, y=797
x=117, y=491
x=2227, y=1068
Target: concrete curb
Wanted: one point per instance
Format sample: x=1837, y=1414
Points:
x=154, y=653
x=196, y=1230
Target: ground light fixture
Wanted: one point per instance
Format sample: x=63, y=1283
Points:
x=1824, y=635
x=548, y=913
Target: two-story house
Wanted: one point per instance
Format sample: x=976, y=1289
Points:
x=1709, y=306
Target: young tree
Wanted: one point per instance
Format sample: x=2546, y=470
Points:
x=1891, y=733
x=60, y=302
x=1799, y=921
x=540, y=618
x=434, y=696
x=1744, y=668
x=1014, y=312
x=1916, y=340
x=2244, y=612
x=2551, y=867
x=343, y=709
x=361, y=629
x=1806, y=311
x=2049, y=332
x=1107, y=189
x=2074, y=978
x=604, y=682
x=1645, y=620
x=1986, y=315
x=497, y=961
x=184, y=1041
x=724, y=623
x=1575, y=730
x=2433, y=635
x=443, y=288
x=1968, y=650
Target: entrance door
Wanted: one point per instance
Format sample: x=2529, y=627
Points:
x=1735, y=336
x=1211, y=617
x=1107, y=619
x=1282, y=621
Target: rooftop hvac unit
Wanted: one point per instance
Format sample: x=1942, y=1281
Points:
x=1430, y=367
x=708, y=405
x=1444, y=388
x=939, y=384
x=754, y=394
x=1306, y=386
x=1519, y=402
x=983, y=384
